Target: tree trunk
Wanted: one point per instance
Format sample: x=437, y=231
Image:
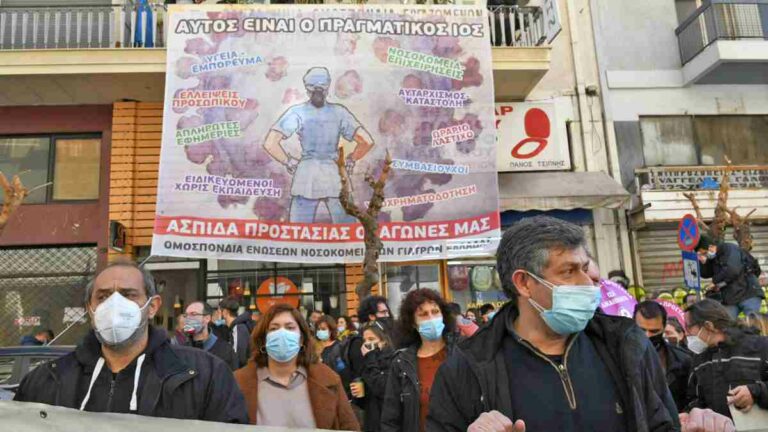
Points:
x=369, y=219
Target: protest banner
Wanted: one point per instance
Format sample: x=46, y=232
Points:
x=36, y=417
x=261, y=98
x=616, y=300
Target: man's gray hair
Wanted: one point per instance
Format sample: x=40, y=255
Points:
x=146, y=276
x=526, y=246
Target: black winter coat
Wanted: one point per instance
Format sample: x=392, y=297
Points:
x=400, y=411
x=375, y=375
x=241, y=337
x=741, y=360
x=728, y=270
x=179, y=382
x=678, y=371
x=474, y=380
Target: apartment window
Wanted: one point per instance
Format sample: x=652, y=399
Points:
x=70, y=162
x=704, y=140
x=401, y=279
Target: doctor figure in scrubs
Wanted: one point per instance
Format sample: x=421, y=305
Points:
x=320, y=125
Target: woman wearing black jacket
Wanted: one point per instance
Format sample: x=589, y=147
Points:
x=426, y=328
x=377, y=351
x=731, y=362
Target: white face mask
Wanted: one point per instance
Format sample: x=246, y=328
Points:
x=118, y=319
x=696, y=344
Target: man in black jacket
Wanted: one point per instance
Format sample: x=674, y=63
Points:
x=734, y=274
x=198, y=327
x=651, y=317
x=240, y=327
x=125, y=365
x=547, y=362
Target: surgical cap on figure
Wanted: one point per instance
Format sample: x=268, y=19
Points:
x=317, y=77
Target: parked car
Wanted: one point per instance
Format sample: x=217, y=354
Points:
x=15, y=362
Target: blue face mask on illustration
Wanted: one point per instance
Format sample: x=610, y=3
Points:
x=572, y=306
x=432, y=329
x=283, y=345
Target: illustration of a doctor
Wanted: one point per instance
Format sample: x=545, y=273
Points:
x=320, y=126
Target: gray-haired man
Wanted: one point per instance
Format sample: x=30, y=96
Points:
x=547, y=362
x=124, y=365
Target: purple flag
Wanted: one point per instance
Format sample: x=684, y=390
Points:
x=616, y=300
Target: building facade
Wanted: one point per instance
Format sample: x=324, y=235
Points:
x=685, y=89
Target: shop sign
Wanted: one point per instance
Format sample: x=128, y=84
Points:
x=277, y=290
x=530, y=138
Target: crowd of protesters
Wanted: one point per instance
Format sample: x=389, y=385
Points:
x=547, y=360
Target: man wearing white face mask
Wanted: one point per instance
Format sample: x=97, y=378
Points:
x=198, y=328
x=547, y=361
x=124, y=365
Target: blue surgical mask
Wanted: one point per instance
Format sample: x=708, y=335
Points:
x=219, y=322
x=283, y=345
x=572, y=306
x=342, y=329
x=323, y=335
x=432, y=329
x=711, y=255
x=194, y=325
x=491, y=315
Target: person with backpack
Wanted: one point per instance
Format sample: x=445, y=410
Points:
x=427, y=331
x=734, y=274
x=241, y=327
x=332, y=352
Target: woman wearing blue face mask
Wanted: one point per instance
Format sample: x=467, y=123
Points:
x=426, y=326
x=326, y=334
x=284, y=385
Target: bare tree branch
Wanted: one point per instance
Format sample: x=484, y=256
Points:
x=14, y=193
x=369, y=219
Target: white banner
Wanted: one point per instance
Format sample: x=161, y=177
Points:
x=35, y=417
x=261, y=99
x=531, y=138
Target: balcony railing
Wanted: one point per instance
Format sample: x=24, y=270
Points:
x=115, y=26
x=81, y=26
x=722, y=20
x=513, y=26
x=692, y=178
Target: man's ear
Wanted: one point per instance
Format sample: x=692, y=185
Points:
x=154, y=306
x=521, y=279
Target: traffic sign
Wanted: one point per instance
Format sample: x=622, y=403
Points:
x=691, y=274
x=688, y=233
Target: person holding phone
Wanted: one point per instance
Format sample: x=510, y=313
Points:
x=370, y=388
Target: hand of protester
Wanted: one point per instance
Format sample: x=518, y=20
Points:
x=741, y=398
x=357, y=389
x=364, y=350
x=705, y=420
x=495, y=421
x=712, y=288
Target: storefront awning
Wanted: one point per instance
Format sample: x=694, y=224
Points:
x=559, y=191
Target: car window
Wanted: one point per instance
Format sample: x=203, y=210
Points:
x=37, y=361
x=6, y=369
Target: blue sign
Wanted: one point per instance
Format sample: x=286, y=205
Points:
x=688, y=233
x=691, y=273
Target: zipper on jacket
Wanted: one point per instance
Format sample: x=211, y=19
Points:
x=111, y=394
x=562, y=370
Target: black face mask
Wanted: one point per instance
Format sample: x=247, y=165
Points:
x=657, y=341
x=387, y=323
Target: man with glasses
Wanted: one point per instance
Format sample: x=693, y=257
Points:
x=197, y=327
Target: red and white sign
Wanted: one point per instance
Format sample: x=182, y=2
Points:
x=275, y=291
x=530, y=138
x=30, y=321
